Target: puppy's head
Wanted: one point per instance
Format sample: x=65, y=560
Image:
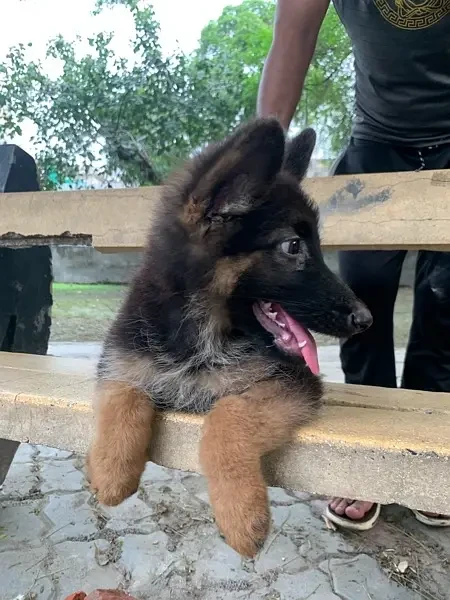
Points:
x=238, y=227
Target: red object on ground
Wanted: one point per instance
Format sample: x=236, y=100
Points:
x=101, y=595
x=109, y=595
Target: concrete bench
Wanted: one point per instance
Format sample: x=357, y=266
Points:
x=371, y=443
x=383, y=211
x=383, y=445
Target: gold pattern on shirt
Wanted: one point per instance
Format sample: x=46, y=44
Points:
x=413, y=14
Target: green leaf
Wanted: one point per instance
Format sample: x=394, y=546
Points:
x=143, y=117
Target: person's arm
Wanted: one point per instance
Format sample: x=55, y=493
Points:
x=297, y=25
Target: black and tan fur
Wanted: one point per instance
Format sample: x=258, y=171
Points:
x=187, y=339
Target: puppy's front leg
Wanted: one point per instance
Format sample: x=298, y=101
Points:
x=237, y=433
x=119, y=450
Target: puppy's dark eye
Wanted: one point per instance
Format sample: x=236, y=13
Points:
x=291, y=247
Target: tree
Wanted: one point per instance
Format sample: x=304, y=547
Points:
x=227, y=68
x=136, y=118
x=328, y=97
x=103, y=113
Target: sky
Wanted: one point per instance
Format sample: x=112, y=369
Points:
x=37, y=21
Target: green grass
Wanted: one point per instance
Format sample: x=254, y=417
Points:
x=83, y=312
x=85, y=287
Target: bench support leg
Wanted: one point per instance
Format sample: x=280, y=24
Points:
x=8, y=449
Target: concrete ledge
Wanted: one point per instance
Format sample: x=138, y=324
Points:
x=388, y=446
x=389, y=206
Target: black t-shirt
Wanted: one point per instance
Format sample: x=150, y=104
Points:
x=402, y=66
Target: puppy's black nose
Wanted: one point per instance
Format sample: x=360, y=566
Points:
x=361, y=319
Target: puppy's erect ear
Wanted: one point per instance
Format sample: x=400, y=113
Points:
x=298, y=153
x=228, y=181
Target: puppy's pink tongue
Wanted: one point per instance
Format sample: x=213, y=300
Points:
x=305, y=342
x=309, y=353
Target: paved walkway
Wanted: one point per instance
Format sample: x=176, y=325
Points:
x=162, y=544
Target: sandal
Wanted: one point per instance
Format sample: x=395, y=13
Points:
x=439, y=521
x=367, y=522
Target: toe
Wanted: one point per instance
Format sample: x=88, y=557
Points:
x=342, y=506
x=334, y=502
x=358, y=509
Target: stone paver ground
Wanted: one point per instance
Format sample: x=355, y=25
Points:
x=162, y=543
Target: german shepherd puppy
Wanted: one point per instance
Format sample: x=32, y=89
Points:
x=217, y=322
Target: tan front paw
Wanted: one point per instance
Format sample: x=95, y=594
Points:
x=242, y=515
x=109, y=480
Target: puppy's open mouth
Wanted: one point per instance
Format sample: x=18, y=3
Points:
x=289, y=335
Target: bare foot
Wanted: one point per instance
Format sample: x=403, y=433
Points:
x=356, y=510
x=352, y=509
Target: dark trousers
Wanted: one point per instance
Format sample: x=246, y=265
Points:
x=374, y=276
